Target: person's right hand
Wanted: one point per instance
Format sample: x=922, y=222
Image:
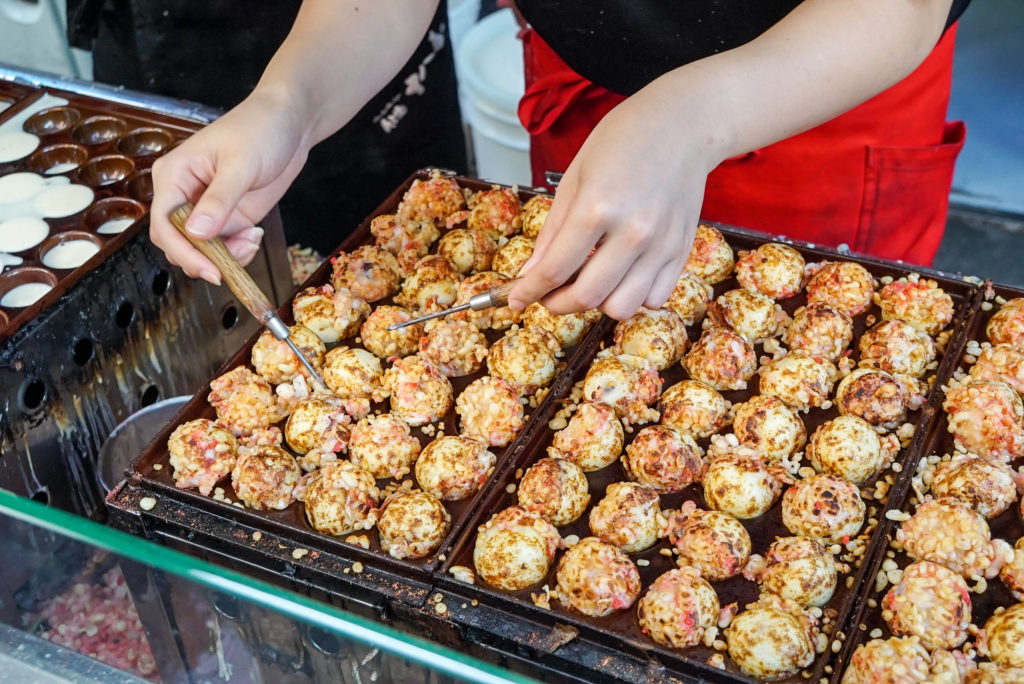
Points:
x=234, y=171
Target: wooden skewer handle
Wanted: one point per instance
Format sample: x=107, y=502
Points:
x=236, y=277
x=499, y=294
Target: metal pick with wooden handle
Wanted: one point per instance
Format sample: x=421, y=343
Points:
x=495, y=297
x=242, y=285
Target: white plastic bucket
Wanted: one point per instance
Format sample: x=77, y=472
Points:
x=490, y=67
x=462, y=16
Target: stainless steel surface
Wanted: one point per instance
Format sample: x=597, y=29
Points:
x=438, y=314
x=27, y=659
x=130, y=437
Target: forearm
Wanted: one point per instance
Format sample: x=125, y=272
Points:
x=339, y=54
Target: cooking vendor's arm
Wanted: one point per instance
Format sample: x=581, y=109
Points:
x=335, y=59
x=635, y=188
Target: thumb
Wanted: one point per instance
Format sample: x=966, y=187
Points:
x=217, y=203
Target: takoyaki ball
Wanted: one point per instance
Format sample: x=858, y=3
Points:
x=402, y=236
x=525, y=358
x=872, y=395
x=897, y=348
x=419, y=392
x=628, y=384
x=1012, y=573
x=629, y=516
x=244, y=401
x=664, y=459
x=534, y=213
x=897, y=660
x=514, y=549
x=986, y=419
x=690, y=298
x=356, y=377
x=202, y=454
x=820, y=329
x=768, y=643
x=722, y=359
x=823, y=507
x=679, y=609
x=369, y=272
x=318, y=423
x=490, y=411
x=711, y=258
x=383, y=446
x=468, y=250
x=801, y=381
x=495, y=211
x=512, y=256
x=554, y=489
x=568, y=329
x=714, y=543
x=456, y=347
x=265, y=478
x=695, y=408
x=412, y=524
x=341, y=498
x=432, y=286
x=657, y=335
x=453, y=468
x=767, y=425
x=596, y=578
x=774, y=270
x=1002, y=363
x=742, y=485
x=1003, y=640
x=593, y=438
x=921, y=303
x=846, y=285
x=930, y=602
x=332, y=314
x=1007, y=325
x=432, y=200
x=750, y=314
x=494, y=318
x=385, y=343
x=847, y=447
x=990, y=673
x=947, y=531
x=986, y=486
x=276, y=362
x=801, y=570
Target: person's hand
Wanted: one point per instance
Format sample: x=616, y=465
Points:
x=632, y=196
x=234, y=170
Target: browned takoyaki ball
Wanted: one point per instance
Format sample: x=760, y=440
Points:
x=244, y=401
x=385, y=343
x=848, y=447
x=695, y=408
x=714, y=543
x=276, y=362
x=629, y=516
x=846, y=285
x=930, y=602
x=369, y=272
x=629, y=384
x=593, y=438
x=515, y=548
x=988, y=487
x=664, y=459
x=711, y=258
x=985, y=418
x=750, y=314
x=490, y=411
x=679, y=609
x=657, y=335
x=774, y=270
x=722, y=359
x=820, y=329
x=919, y=302
x=946, y=531
x=525, y=358
x=453, y=468
x=1007, y=325
x=874, y=395
x=1003, y=637
x=823, y=507
x=799, y=569
x=433, y=200
x=596, y=578
x=332, y=314
x=468, y=250
x=1002, y=363
x=419, y=392
x=383, y=445
x=405, y=238
x=568, y=328
x=202, y=453
x=432, y=285
x=495, y=318
x=742, y=484
x=341, y=498
x=898, y=348
x=1012, y=573
x=265, y=478
x=534, y=213
x=768, y=643
x=412, y=524
x=318, y=424
x=767, y=425
x=690, y=298
x=554, y=489
x=801, y=381
x=512, y=256
x=496, y=211
x=456, y=347
x=356, y=377
x=877, y=661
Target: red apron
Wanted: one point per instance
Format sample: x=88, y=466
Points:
x=876, y=178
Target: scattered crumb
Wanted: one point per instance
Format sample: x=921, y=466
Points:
x=510, y=488
x=440, y=609
x=158, y=466
x=299, y=553
x=257, y=535
x=357, y=567
x=643, y=562
x=147, y=503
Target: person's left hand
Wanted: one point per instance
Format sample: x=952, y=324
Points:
x=633, y=192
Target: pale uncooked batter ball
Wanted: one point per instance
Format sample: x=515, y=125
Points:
x=921, y=303
x=535, y=212
x=664, y=459
x=986, y=419
x=897, y=348
x=412, y=524
x=847, y=447
x=202, y=454
x=371, y=273
x=356, y=377
x=456, y=347
x=265, y=478
x=711, y=258
x=774, y=270
x=714, y=543
x=512, y=256
x=597, y=579
x=657, y=335
x=432, y=286
x=383, y=445
x=820, y=329
x=946, y=531
x=690, y=298
x=341, y=498
x=593, y=438
x=419, y=392
x=800, y=569
x=722, y=359
x=454, y=468
x=333, y=315
x=276, y=362
x=629, y=516
x=679, y=609
x=695, y=408
x=931, y=602
x=318, y=423
x=525, y=358
x=494, y=318
x=846, y=285
x=514, y=549
x=874, y=396
x=743, y=486
x=768, y=643
x=1001, y=363
x=385, y=343
x=801, y=381
x=1007, y=325
x=468, y=250
x=554, y=489
x=495, y=210
x=568, y=328
x=244, y=401
x=823, y=507
x=629, y=384
x=767, y=425
x=433, y=200
x=750, y=314
x=986, y=486
x=1004, y=637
